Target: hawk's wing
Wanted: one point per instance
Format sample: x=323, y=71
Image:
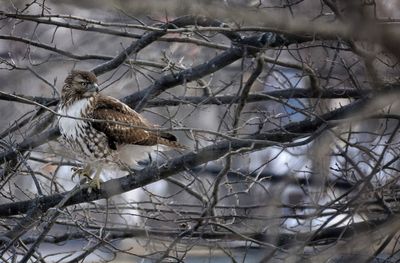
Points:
x=110, y=109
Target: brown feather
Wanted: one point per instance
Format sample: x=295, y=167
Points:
x=111, y=109
x=86, y=75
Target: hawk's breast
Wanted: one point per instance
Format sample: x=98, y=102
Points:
x=79, y=134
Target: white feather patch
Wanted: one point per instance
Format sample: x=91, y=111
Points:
x=68, y=126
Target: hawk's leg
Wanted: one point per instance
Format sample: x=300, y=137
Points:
x=95, y=182
x=87, y=171
x=83, y=172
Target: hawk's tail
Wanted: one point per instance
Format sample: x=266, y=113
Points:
x=170, y=140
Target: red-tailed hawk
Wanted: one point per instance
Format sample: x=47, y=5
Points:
x=107, y=140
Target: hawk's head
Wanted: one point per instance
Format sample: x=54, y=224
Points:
x=78, y=85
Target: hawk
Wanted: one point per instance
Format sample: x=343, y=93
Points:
x=101, y=129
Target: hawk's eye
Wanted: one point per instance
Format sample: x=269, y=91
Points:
x=85, y=84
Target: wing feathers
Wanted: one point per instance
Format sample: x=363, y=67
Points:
x=110, y=109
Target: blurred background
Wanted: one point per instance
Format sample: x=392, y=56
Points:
x=317, y=183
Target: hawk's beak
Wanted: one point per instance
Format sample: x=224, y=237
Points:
x=92, y=89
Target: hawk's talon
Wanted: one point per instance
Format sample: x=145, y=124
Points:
x=85, y=174
x=93, y=186
x=95, y=182
x=81, y=171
